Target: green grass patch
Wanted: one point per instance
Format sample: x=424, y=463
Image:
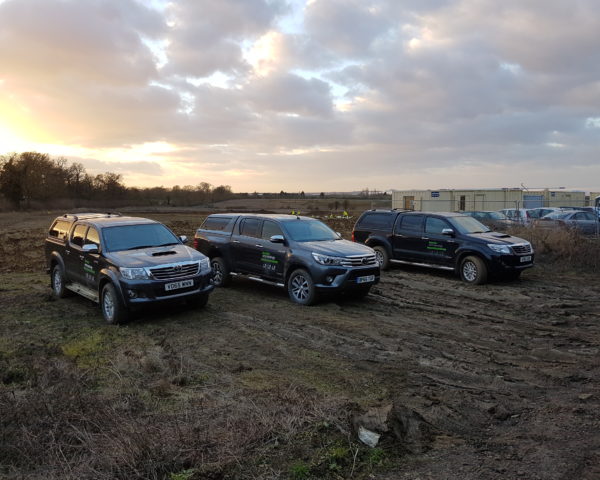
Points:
x=86, y=349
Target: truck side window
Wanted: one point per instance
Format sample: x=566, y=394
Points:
x=92, y=237
x=413, y=223
x=435, y=225
x=269, y=229
x=379, y=221
x=59, y=229
x=249, y=227
x=78, y=235
x=216, y=223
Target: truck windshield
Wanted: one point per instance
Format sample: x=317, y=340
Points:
x=468, y=225
x=309, y=231
x=130, y=237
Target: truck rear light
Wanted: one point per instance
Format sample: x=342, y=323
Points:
x=196, y=243
x=353, y=236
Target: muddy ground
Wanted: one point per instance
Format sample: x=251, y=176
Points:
x=499, y=381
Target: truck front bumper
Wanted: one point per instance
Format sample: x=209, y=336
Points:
x=338, y=279
x=140, y=292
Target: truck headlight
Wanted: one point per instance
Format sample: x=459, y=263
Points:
x=134, y=273
x=204, y=264
x=499, y=248
x=326, y=259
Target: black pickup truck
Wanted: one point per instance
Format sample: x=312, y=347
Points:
x=300, y=253
x=124, y=262
x=451, y=241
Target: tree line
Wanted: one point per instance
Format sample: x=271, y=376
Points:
x=35, y=180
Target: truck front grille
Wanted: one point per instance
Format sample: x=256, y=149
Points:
x=522, y=248
x=175, y=270
x=359, y=261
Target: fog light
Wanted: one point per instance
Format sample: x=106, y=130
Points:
x=329, y=278
x=132, y=293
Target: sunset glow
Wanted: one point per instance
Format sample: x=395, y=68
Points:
x=309, y=95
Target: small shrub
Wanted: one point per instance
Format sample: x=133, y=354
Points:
x=299, y=471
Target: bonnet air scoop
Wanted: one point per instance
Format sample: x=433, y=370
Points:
x=500, y=235
x=162, y=253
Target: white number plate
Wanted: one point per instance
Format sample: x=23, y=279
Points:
x=367, y=279
x=526, y=259
x=178, y=285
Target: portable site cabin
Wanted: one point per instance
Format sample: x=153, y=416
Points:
x=446, y=200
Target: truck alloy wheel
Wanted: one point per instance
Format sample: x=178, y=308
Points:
x=301, y=288
x=112, y=309
x=58, y=282
x=383, y=259
x=221, y=276
x=473, y=270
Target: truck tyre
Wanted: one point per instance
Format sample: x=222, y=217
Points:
x=383, y=259
x=58, y=282
x=113, y=310
x=199, y=301
x=473, y=270
x=301, y=288
x=221, y=276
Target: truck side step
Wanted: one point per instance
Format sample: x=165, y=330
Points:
x=258, y=279
x=417, y=264
x=83, y=291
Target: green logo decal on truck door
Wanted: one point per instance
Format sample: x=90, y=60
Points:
x=435, y=246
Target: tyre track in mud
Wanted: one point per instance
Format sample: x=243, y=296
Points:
x=498, y=368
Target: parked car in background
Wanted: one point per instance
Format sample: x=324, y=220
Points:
x=493, y=220
x=448, y=241
x=582, y=221
x=517, y=215
x=540, y=212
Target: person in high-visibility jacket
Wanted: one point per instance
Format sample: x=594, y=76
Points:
x=345, y=214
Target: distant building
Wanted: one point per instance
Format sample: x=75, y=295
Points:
x=448, y=200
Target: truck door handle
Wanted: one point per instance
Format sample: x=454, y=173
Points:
x=424, y=238
x=68, y=252
x=235, y=241
x=81, y=257
x=258, y=245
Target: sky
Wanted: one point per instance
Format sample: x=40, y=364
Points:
x=307, y=95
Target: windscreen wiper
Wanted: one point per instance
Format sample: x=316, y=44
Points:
x=140, y=246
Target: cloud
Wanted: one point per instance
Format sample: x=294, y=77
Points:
x=206, y=36
x=334, y=92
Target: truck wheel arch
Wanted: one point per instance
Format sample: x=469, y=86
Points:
x=292, y=268
x=106, y=276
x=386, y=251
x=56, y=259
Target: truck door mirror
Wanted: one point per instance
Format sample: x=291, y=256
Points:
x=448, y=231
x=277, y=239
x=183, y=238
x=90, y=248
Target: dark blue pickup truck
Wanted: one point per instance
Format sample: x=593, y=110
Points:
x=450, y=241
x=299, y=253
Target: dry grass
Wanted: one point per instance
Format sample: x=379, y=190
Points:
x=60, y=426
x=563, y=249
